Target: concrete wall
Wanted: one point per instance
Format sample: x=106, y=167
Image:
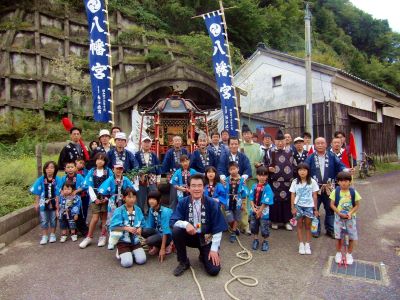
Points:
x=17, y=223
x=256, y=78
x=353, y=98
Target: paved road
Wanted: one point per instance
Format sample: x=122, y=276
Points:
x=56, y=271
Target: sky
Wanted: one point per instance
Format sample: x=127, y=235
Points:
x=382, y=9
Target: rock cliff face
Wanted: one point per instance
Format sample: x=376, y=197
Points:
x=31, y=37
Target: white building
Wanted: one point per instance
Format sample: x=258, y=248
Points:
x=275, y=83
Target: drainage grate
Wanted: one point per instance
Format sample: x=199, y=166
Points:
x=362, y=270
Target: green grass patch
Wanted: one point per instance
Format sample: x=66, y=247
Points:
x=383, y=168
x=16, y=177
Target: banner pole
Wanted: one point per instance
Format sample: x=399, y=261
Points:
x=231, y=67
x=110, y=64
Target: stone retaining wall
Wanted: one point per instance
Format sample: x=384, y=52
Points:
x=17, y=223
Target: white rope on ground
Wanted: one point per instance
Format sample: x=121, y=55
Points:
x=247, y=256
x=198, y=284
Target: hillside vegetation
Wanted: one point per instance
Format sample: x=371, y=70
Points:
x=343, y=35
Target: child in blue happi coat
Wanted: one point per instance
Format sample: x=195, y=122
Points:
x=157, y=231
x=82, y=170
x=113, y=189
x=99, y=203
x=72, y=176
x=213, y=187
x=69, y=208
x=128, y=221
x=180, y=179
x=46, y=191
x=261, y=197
x=236, y=191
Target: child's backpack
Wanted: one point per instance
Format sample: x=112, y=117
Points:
x=352, y=194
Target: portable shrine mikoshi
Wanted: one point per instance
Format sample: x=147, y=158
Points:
x=170, y=117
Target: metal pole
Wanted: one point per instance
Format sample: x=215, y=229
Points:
x=309, y=109
x=231, y=68
x=111, y=67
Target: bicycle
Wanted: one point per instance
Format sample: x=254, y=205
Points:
x=367, y=166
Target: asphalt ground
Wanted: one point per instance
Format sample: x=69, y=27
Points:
x=63, y=271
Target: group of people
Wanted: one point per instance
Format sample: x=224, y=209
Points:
x=225, y=184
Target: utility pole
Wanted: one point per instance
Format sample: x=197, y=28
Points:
x=309, y=110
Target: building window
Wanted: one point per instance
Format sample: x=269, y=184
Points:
x=276, y=81
x=379, y=114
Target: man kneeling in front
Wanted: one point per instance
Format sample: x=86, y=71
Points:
x=198, y=222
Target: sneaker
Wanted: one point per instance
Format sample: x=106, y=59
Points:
x=256, y=243
x=232, y=238
x=74, y=237
x=63, y=239
x=53, y=238
x=301, y=249
x=181, y=268
x=110, y=246
x=86, y=242
x=338, y=257
x=265, y=246
x=349, y=258
x=248, y=232
x=307, y=248
x=117, y=255
x=153, y=251
x=288, y=227
x=44, y=240
x=237, y=232
x=102, y=241
x=274, y=226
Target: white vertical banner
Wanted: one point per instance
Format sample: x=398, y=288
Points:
x=133, y=140
x=217, y=115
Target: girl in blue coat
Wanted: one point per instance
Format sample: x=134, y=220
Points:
x=113, y=189
x=128, y=221
x=47, y=190
x=99, y=207
x=213, y=187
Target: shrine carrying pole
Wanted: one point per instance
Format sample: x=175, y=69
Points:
x=111, y=78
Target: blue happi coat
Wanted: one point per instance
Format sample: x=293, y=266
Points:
x=120, y=219
x=71, y=205
x=197, y=164
x=108, y=188
x=169, y=164
x=222, y=149
x=214, y=221
x=160, y=220
x=89, y=181
x=155, y=163
x=177, y=180
x=219, y=193
x=38, y=188
x=335, y=165
x=267, y=198
x=130, y=162
x=244, y=164
x=78, y=179
x=242, y=193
